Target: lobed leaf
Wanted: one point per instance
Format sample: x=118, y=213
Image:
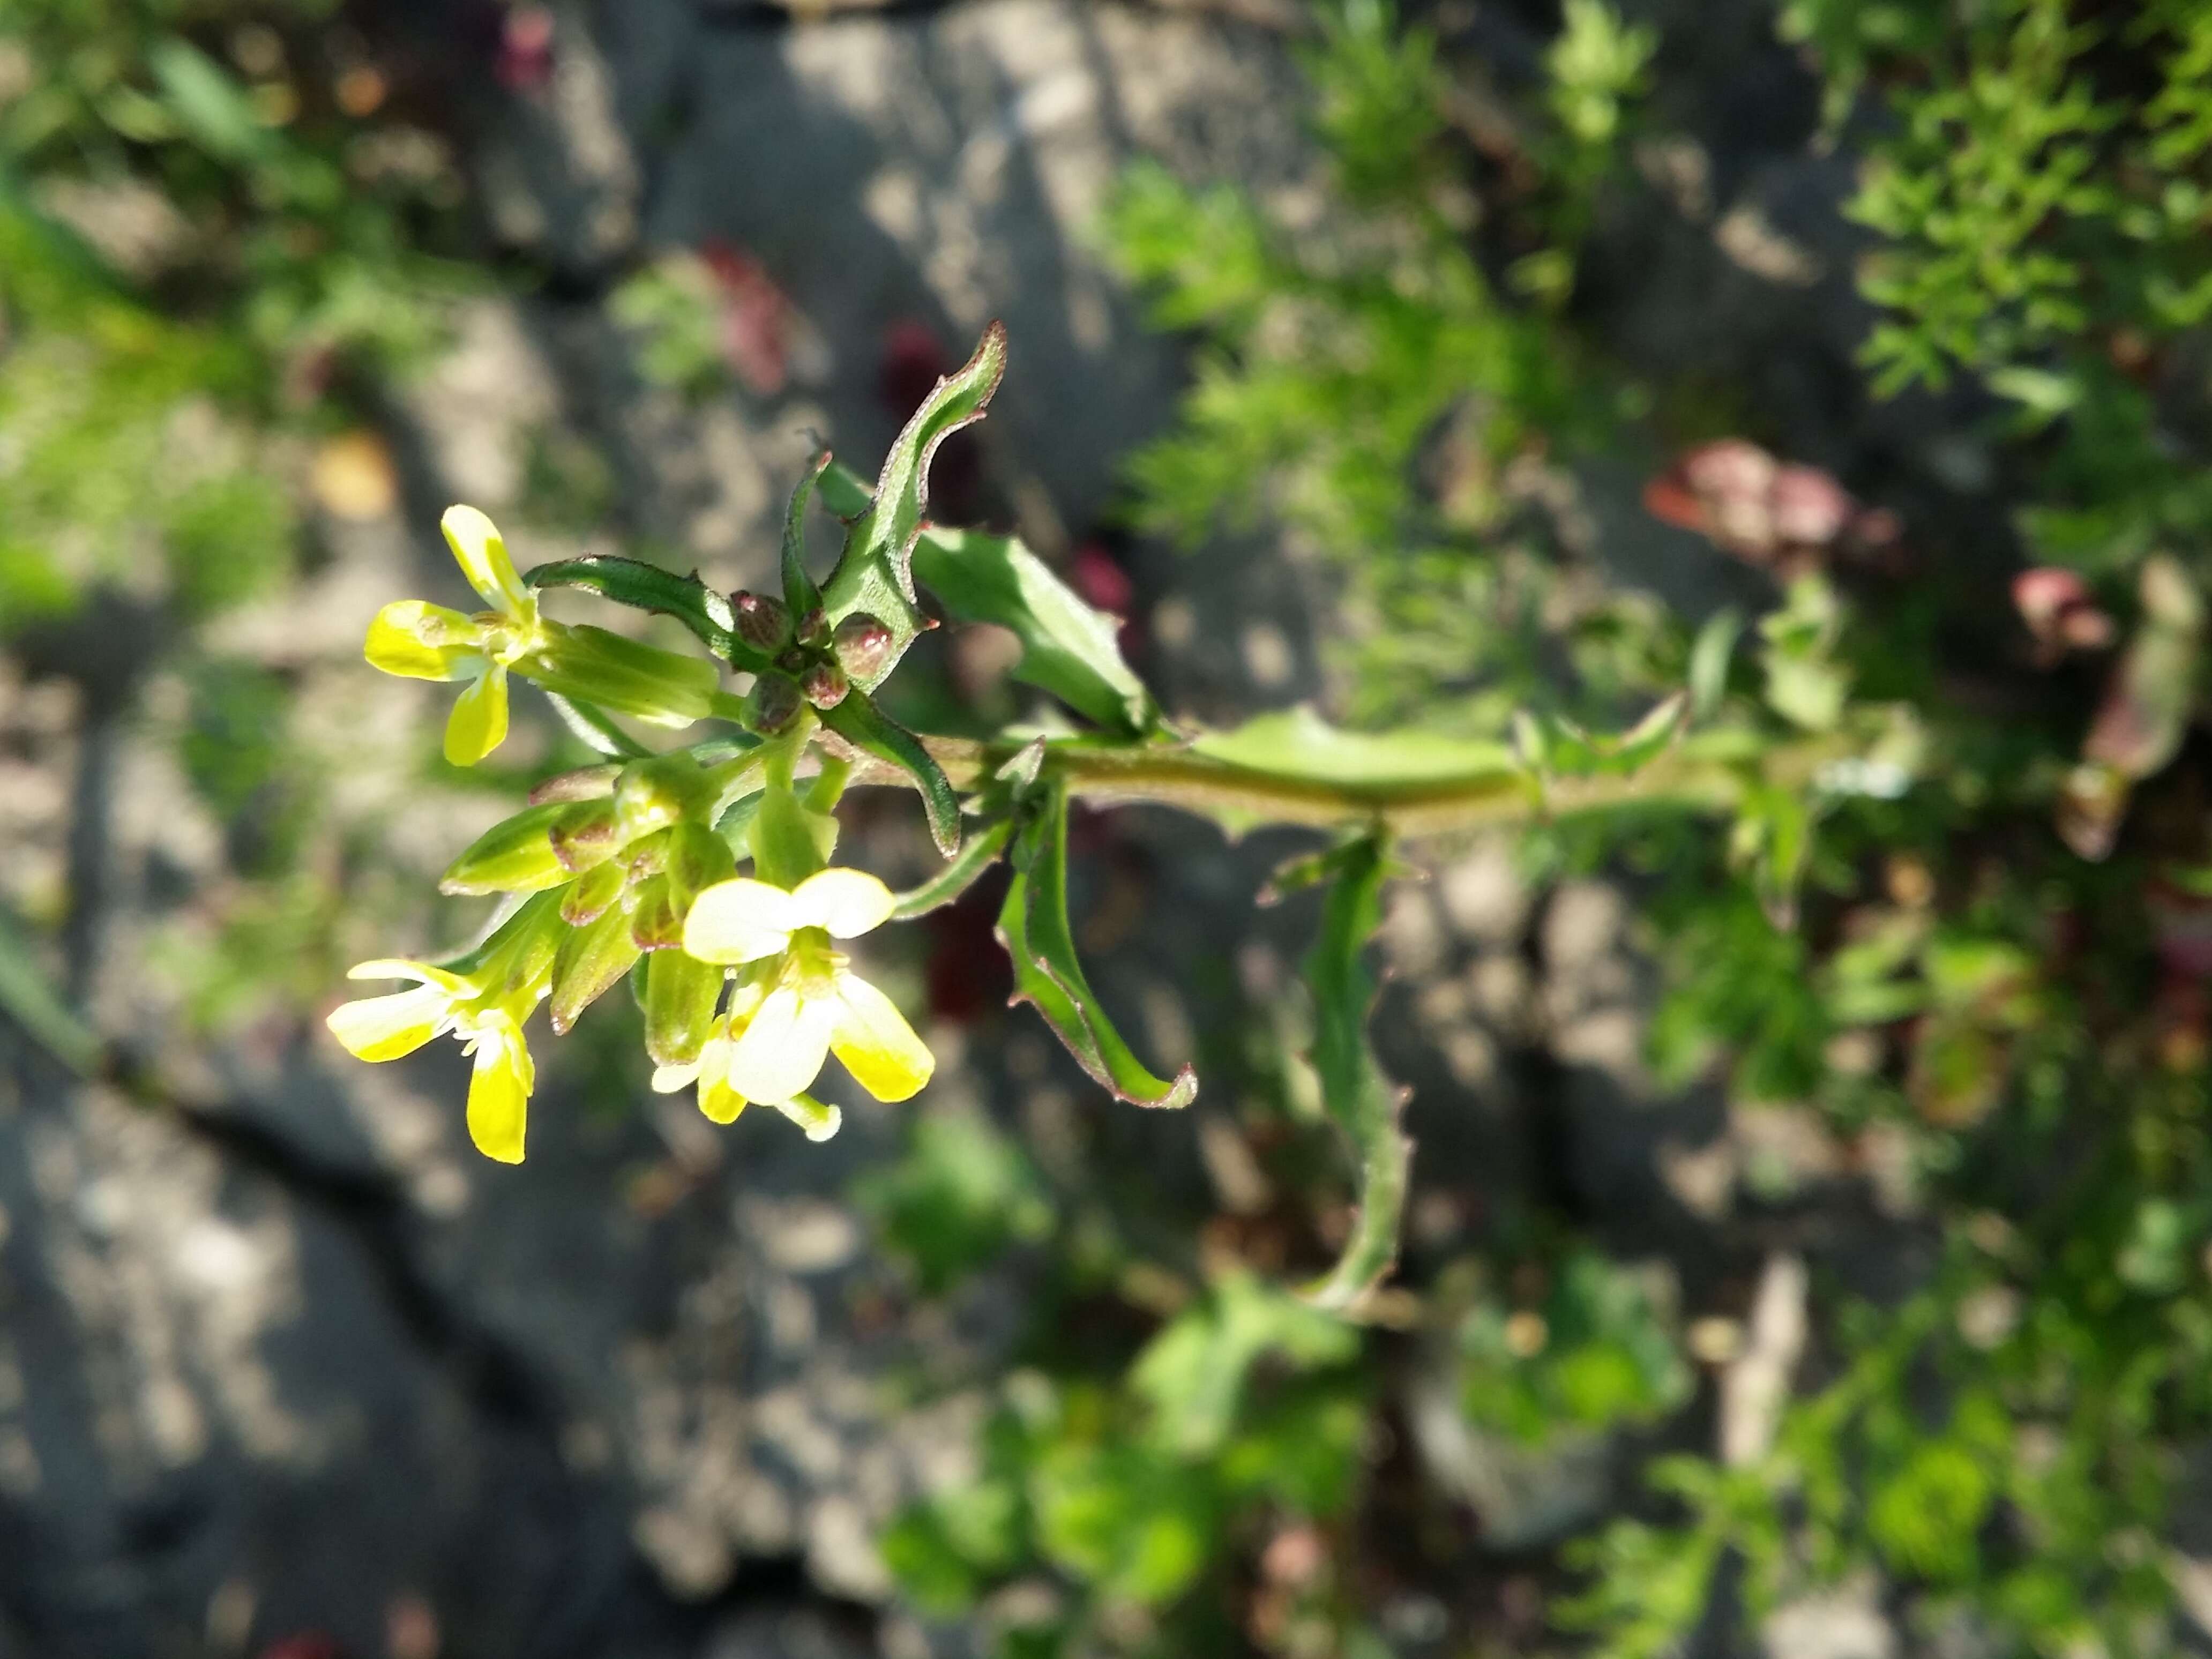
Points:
x=1069, y=648
x=1033, y=926
x=875, y=574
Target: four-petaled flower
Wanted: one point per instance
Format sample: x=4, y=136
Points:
x=810, y=1001
x=719, y=1098
x=424, y=642
x=485, y=1009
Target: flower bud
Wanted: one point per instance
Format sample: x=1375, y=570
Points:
x=763, y=621
x=656, y=918
x=862, y=643
x=772, y=703
x=814, y=628
x=680, y=994
x=590, y=959
x=591, y=894
x=586, y=836
x=516, y=855
x=823, y=685
x=651, y=794
x=621, y=676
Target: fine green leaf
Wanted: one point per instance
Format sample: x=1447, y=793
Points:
x=799, y=593
x=1033, y=926
x=649, y=587
x=1068, y=649
x=1365, y=1104
x=978, y=852
x=875, y=574
x=858, y=720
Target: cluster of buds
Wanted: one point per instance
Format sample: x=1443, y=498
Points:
x=633, y=867
x=813, y=662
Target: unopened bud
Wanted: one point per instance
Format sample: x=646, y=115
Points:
x=772, y=703
x=519, y=855
x=763, y=621
x=824, y=684
x=814, y=628
x=862, y=643
x=586, y=837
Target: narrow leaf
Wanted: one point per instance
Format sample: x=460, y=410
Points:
x=799, y=593
x=1365, y=1104
x=875, y=574
x=978, y=852
x=858, y=720
x=1033, y=926
x=1068, y=649
x=645, y=586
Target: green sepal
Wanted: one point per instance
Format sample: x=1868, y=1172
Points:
x=585, y=783
x=800, y=594
x=697, y=859
x=649, y=587
x=656, y=916
x=591, y=894
x=589, y=961
x=789, y=842
x=590, y=665
x=875, y=573
x=1069, y=648
x=680, y=995
x=867, y=728
x=586, y=836
x=1033, y=926
x=1366, y=1105
x=978, y=852
x=653, y=795
x=515, y=855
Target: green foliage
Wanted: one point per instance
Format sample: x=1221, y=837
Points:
x=963, y=1195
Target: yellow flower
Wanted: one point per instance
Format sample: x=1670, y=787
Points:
x=485, y=1009
x=811, y=1002
x=719, y=1097
x=424, y=642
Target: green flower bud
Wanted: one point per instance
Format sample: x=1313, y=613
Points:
x=680, y=994
x=591, y=894
x=697, y=859
x=585, y=783
x=591, y=960
x=824, y=684
x=762, y=621
x=516, y=855
x=587, y=837
x=773, y=704
x=656, y=917
x=651, y=794
x=862, y=644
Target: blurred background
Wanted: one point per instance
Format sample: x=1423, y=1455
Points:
x=1807, y=1254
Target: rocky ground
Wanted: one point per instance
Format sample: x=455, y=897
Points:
x=279, y=1356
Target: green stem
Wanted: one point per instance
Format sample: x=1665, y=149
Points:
x=596, y=728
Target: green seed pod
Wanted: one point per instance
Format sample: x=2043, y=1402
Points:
x=516, y=855
x=681, y=993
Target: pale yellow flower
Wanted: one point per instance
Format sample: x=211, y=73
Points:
x=485, y=1010
x=424, y=642
x=812, y=1003
x=718, y=1097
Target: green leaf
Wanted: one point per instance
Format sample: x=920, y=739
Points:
x=1068, y=649
x=799, y=593
x=1033, y=926
x=649, y=587
x=211, y=108
x=1297, y=743
x=1193, y=1373
x=1365, y=1104
x=858, y=720
x=875, y=574
x=978, y=852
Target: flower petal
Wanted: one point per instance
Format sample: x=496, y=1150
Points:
x=782, y=1050
x=718, y=1100
x=479, y=723
x=847, y=903
x=482, y=551
x=740, y=920
x=670, y=1079
x=418, y=641
x=384, y=1027
x=499, y=1097
x=877, y=1046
